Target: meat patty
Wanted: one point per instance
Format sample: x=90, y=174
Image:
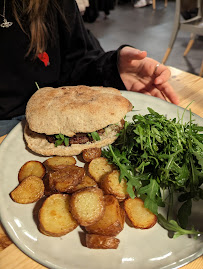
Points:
x=79, y=138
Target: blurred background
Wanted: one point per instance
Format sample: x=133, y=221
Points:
x=117, y=22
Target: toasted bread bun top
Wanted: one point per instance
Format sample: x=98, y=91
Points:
x=75, y=109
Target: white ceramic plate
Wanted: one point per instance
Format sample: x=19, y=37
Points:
x=146, y=249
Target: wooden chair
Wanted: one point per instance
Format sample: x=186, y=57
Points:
x=194, y=26
x=154, y=3
x=201, y=70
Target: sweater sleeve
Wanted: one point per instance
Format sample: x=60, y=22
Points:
x=83, y=61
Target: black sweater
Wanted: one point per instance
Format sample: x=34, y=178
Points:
x=76, y=58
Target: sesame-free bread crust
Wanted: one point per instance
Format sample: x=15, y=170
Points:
x=75, y=109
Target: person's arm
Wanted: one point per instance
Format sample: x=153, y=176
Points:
x=86, y=63
x=83, y=59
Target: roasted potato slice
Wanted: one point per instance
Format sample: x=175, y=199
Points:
x=64, y=180
x=99, y=167
x=140, y=216
x=31, y=168
x=90, y=154
x=59, y=162
x=112, y=222
x=30, y=190
x=101, y=241
x=55, y=218
x=47, y=189
x=86, y=182
x=110, y=185
x=87, y=205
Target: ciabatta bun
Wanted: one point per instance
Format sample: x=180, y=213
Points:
x=70, y=110
x=75, y=109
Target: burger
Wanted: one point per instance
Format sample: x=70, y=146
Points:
x=66, y=120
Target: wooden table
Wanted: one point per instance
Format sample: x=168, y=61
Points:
x=189, y=88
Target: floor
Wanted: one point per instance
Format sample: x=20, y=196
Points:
x=149, y=30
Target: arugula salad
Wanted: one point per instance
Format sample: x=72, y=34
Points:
x=161, y=160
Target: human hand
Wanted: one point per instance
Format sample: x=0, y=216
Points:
x=141, y=74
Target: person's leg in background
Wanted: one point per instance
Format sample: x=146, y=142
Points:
x=142, y=3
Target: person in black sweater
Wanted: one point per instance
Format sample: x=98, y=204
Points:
x=45, y=43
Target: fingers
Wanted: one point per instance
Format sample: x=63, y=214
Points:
x=129, y=54
x=163, y=91
x=145, y=76
x=154, y=92
x=169, y=92
x=162, y=74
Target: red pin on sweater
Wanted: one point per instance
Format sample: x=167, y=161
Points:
x=44, y=57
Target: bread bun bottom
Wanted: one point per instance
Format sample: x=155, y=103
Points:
x=39, y=144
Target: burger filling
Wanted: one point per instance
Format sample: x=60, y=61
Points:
x=83, y=138
x=79, y=138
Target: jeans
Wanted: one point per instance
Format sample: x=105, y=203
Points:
x=7, y=125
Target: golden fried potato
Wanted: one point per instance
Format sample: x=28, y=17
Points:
x=30, y=190
x=96, y=241
x=47, y=189
x=90, y=154
x=86, y=182
x=64, y=180
x=31, y=168
x=140, y=216
x=99, y=167
x=59, y=162
x=55, y=218
x=110, y=185
x=112, y=222
x=87, y=205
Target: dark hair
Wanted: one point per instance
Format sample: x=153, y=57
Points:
x=35, y=18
